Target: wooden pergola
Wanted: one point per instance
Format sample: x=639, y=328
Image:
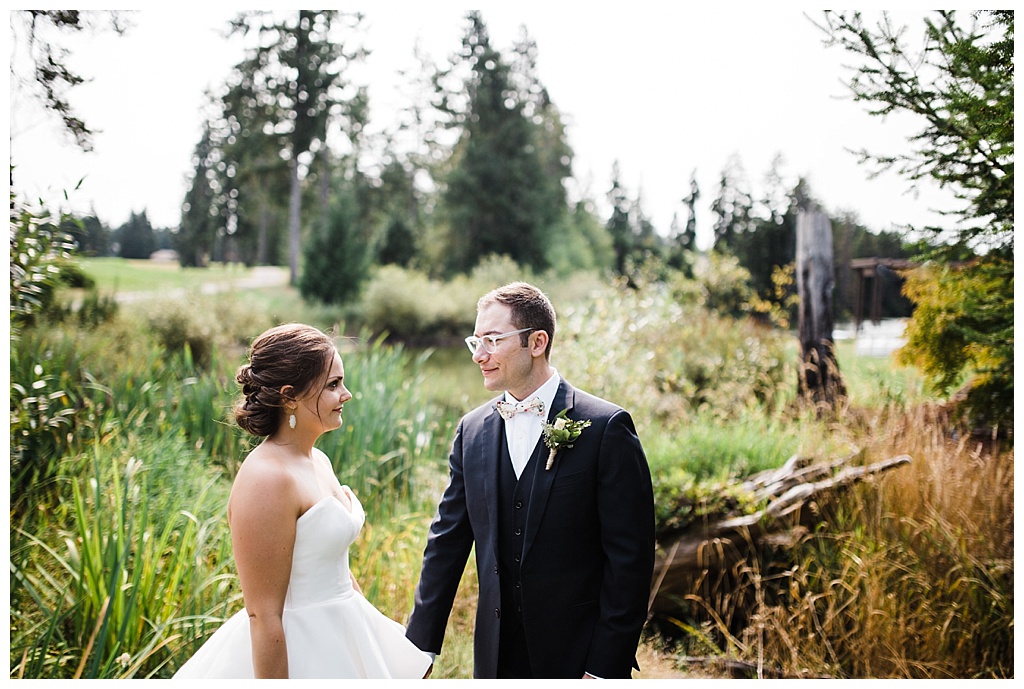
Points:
x=867, y=269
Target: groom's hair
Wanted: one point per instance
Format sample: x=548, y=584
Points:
x=530, y=309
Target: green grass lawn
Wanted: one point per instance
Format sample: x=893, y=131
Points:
x=143, y=275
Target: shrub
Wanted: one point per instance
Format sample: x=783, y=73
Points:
x=668, y=361
x=39, y=254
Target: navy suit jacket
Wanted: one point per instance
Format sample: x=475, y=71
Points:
x=588, y=550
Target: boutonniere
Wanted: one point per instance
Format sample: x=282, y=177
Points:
x=561, y=432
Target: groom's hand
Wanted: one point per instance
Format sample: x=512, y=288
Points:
x=429, y=670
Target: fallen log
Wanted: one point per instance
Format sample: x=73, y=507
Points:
x=716, y=547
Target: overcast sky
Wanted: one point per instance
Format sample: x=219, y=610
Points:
x=662, y=91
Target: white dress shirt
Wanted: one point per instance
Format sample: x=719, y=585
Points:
x=523, y=431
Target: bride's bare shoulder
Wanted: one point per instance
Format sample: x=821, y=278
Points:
x=265, y=480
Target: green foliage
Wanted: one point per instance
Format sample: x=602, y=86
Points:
x=336, y=258
x=200, y=325
x=963, y=325
x=409, y=306
x=668, y=360
x=579, y=243
x=136, y=237
x=503, y=188
x=123, y=569
x=42, y=417
x=93, y=310
x=39, y=253
x=959, y=84
x=718, y=283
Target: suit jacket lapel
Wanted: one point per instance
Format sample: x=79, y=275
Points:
x=489, y=451
x=542, y=479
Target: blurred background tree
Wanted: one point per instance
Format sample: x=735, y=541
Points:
x=503, y=189
x=298, y=69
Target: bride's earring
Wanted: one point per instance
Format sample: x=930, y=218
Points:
x=291, y=421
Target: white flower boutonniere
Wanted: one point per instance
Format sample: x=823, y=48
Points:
x=561, y=432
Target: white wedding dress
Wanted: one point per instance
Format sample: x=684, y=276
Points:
x=332, y=631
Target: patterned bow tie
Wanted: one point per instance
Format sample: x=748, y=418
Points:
x=531, y=406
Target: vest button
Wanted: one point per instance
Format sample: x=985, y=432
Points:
x=497, y=612
x=519, y=532
x=519, y=504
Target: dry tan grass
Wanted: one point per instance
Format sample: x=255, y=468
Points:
x=912, y=578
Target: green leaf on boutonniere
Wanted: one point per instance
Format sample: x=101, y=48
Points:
x=561, y=433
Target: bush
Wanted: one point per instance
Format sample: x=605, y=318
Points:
x=962, y=329
x=668, y=362
x=39, y=254
x=202, y=325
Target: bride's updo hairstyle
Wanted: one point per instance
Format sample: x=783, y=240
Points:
x=291, y=354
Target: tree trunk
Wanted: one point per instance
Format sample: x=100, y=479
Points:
x=819, y=379
x=293, y=225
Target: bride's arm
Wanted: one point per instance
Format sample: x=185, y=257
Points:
x=262, y=514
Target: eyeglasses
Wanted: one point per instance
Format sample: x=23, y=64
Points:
x=490, y=342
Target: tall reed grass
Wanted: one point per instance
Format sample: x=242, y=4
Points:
x=122, y=566
x=120, y=570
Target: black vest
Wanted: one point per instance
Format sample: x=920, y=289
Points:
x=513, y=506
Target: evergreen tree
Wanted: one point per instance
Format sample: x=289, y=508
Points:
x=688, y=240
x=959, y=85
x=618, y=225
x=498, y=196
x=201, y=212
x=91, y=236
x=732, y=207
x=634, y=239
x=136, y=237
x=52, y=77
x=768, y=243
x=254, y=175
x=298, y=66
x=337, y=257
x=583, y=243
x=400, y=208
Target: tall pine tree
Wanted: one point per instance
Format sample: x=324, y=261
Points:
x=499, y=196
x=299, y=64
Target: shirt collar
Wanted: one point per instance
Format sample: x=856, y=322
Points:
x=546, y=392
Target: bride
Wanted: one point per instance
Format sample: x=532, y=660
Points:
x=291, y=526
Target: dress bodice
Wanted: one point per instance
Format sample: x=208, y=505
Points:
x=331, y=630
x=323, y=534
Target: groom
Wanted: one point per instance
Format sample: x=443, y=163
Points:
x=564, y=554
